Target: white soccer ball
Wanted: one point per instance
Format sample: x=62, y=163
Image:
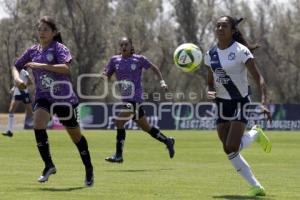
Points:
x=187, y=57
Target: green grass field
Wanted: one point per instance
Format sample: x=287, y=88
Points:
x=200, y=170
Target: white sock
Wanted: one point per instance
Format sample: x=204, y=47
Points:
x=10, y=122
x=248, y=138
x=243, y=168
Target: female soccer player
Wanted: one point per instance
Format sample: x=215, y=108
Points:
x=229, y=62
x=128, y=68
x=18, y=96
x=50, y=64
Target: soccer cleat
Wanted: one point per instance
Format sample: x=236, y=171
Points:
x=170, y=146
x=46, y=173
x=256, y=191
x=115, y=159
x=263, y=140
x=89, y=177
x=8, y=134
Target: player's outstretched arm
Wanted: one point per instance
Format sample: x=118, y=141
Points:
x=158, y=73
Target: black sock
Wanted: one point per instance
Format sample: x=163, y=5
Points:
x=121, y=134
x=154, y=132
x=83, y=149
x=43, y=145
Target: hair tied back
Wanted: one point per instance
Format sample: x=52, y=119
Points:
x=238, y=21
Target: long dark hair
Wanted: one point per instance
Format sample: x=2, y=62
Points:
x=238, y=36
x=51, y=23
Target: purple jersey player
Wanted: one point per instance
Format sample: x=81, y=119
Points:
x=128, y=72
x=51, y=84
x=50, y=64
x=128, y=68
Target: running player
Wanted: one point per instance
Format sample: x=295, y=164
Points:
x=19, y=96
x=128, y=69
x=50, y=64
x=228, y=85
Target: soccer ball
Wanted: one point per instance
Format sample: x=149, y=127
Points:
x=187, y=57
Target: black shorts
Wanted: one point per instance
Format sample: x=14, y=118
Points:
x=67, y=114
x=132, y=107
x=24, y=97
x=232, y=110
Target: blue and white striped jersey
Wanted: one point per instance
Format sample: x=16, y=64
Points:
x=229, y=70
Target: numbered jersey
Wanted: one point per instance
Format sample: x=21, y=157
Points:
x=229, y=70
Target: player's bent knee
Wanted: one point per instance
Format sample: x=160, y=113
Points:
x=231, y=148
x=71, y=123
x=225, y=149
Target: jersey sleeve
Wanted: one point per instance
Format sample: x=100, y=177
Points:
x=63, y=54
x=24, y=73
x=109, y=69
x=245, y=54
x=145, y=63
x=23, y=59
x=207, y=59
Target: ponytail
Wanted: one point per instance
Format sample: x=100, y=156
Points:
x=58, y=38
x=238, y=36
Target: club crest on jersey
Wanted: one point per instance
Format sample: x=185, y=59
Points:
x=49, y=57
x=117, y=66
x=133, y=66
x=231, y=56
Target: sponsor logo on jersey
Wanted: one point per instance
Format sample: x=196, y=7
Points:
x=221, y=76
x=214, y=62
x=47, y=82
x=220, y=72
x=126, y=85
